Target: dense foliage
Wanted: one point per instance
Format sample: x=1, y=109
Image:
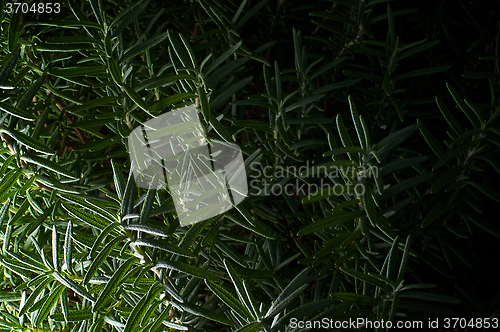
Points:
x=404, y=96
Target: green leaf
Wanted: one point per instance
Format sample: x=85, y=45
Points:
x=218, y=101
x=143, y=47
x=226, y=69
x=367, y=278
x=356, y=298
x=74, y=316
x=161, y=318
x=108, y=101
x=74, y=286
x=92, y=123
x=485, y=226
x=34, y=295
x=248, y=15
x=445, y=179
x=468, y=135
x=69, y=23
x=319, y=307
x=134, y=11
x=404, y=185
x=115, y=72
x=27, y=98
x=163, y=81
x=208, y=314
x=90, y=219
x=188, y=269
x=9, y=296
x=220, y=129
x=277, y=79
x=204, y=104
x=14, y=30
x=327, y=222
x=55, y=249
x=289, y=293
x=96, y=206
x=4, y=211
x=308, y=143
x=305, y=101
x=342, y=150
x=426, y=296
x=337, y=85
x=344, y=136
x=77, y=71
x=238, y=285
x=103, y=255
x=148, y=203
x=16, y=112
x=62, y=94
x=253, y=125
x=193, y=232
x=28, y=141
x=412, y=48
x=229, y=300
x=492, y=162
x=147, y=229
x=55, y=184
x=128, y=196
x=73, y=40
x=189, y=50
x=422, y=72
x=431, y=141
x=309, y=120
x=163, y=246
x=68, y=248
x=100, y=239
x=252, y=327
x=179, y=51
x=481, y=75
x=392, y=258
x=325, y=193
x=118, y=179
x=451, y=154
x=6, y=164
x=51, y=300
x=47, y=164
x=357, y=123
x=217, y=62
x=389, y=143
x=401, y=163
x=140, y=309
x=463, y=106
x=7, y=69
x=112, y=284
x=171, y=100
x=136, y=98
x=8, y=182
x=336, y=243
x=449, y=117
x=486, y=190
x=404, y=260
x=98, y=144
